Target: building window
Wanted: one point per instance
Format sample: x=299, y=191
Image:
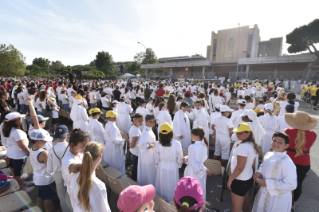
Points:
x=263, y=49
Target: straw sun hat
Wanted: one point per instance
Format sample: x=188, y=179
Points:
x=301, y=120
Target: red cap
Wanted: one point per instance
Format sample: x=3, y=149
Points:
x=189, y=186
x=133, y=197
x=184, y=89
x=188, y=92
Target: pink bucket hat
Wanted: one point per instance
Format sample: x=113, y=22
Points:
x=133, y=197
x=189, y=186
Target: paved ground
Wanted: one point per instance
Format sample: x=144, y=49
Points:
x=308, y=202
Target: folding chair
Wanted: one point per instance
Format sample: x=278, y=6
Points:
x=15, y=201
x=6, y=171
x=3, y=164
x=215, y=167
x=165, y=207
x=33, y=209
x=103, y=164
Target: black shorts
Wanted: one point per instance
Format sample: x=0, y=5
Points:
x=313, y=97
x=47, y=192
x=55, y=121
x=241, y=187
x=18, y=166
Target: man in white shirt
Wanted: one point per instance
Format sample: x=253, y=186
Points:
x=69, y=90
x=235, y=116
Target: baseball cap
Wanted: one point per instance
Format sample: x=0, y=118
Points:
x=78, y=97
x=166, y=128
x=13, y=116
x=149, y=117
x=290, y=108
x=61, y=131
x=225, y=108
x=115, y=102
x=111, y=114
x=122, y=96
x=241, y=101
x=269, y=107
x=40, y=135
x=40, y=119
x=217, y=106
x=96, y=110
x=52, y=99
x=242, y=127
x=131, y=198
x=190, y=187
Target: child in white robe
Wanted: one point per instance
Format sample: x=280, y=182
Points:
x=197, y=155
x=141, y=109
x=146, y=172
x=212, y=116
x=163, y=116
x=168, y=160
x=181, y=126
x=78, y=114
x=277, y=177
x=149, y=105
x=96, y=130
x=124, y=119
x=113, y=153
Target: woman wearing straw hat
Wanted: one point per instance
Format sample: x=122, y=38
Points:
x=301, y=139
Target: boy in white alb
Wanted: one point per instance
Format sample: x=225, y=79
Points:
x=277, y=177
x=54, y=163
x=149, y=105
x=223, y=127
x=235, y=116
x=41, y=177
x=141, y=109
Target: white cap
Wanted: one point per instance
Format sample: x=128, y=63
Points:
x=13, y=116
x=269, y=107
x=115, y=102
x=225, y=108
x=241, y=101
x=40, y=135
x=217, y=106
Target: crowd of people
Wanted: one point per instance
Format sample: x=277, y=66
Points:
x=160, y=127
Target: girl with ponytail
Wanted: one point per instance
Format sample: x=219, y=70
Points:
x=197, y=155
x=88, y=193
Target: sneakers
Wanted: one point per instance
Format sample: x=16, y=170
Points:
x=28, y=189
x=27, y=183
x=25, y=176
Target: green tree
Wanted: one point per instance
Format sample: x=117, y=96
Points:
x=302, y=39
x=104, y=62
x=43, y=63
x=56, y=66
x=147, y=57
x=35, y=70
x=12, y=61
x=132, y=68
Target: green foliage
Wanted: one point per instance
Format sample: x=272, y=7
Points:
x=104, y=62
x=43, y=63
x=147, y=57
x=132, y=68
x=94, y=74
x=304, y=37
x=12, y=61
x=56, y=66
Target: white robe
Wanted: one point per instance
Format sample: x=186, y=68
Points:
x=146, y=172
x=163, y=116
x=269, y=123
x=197, y=155
x=200, y=118
x=113, y=153
x=181, y=126
x=123, y=120
x=279, y=172
x=79, y=116
x=168, y=161
x=96, y=131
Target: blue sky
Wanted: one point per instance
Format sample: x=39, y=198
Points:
x=73, y=31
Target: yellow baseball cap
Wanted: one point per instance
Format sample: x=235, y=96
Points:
x=51, y=99
x=242, y=127
x=111, y=114
x=78, y=97
x=15, y=86
x=166, y=128
x=95, y=110
x=257, y=110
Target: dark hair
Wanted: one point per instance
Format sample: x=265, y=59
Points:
x=8, y=125
x=201, y=95
x=103, y=94
x=199, y=131
x=161, y=105
x=171, y=103
x=248, y=98
x=2, y=94
x=77, y=136
x=184, y=104
x=190, y=200
x=179, y=98
x=4, y=113
x=291, y=96
x=158, y=100
x=94, y=114
x=165, y=139
x=281, y=135
x=42, y=95
x=187, y=95
x=137, y=116
x=261, y=101
x=200, y=102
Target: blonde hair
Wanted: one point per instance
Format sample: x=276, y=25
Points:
x=91, y=152
x=300, y=142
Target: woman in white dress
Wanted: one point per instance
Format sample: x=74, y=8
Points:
x=168, y=160
x=214, y=99
x=124, y=119
x=181, y=126
x=269, y=123
x=197, y=155
x=78, y=114
x=88, y=193
x=163, y=116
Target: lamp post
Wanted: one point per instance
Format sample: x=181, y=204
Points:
x=145, y=56
x=142, y=45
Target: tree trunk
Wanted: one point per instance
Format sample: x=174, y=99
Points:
x=307, y=71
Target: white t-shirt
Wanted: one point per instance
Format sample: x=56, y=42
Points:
x=105, y=102
x=246, y=150
x=91, y=97
x=63, y=98
x=55, y=113
x=69, y=91
x=222, y=125
x=13, y=150
x=21, y=98
x=250, y=105
x=134, y=132
x=67, y=160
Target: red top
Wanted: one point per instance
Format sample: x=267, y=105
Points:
x=160, y=92
x=303, y=159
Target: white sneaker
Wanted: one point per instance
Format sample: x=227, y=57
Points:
x=25, y=176
x=28, y=189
